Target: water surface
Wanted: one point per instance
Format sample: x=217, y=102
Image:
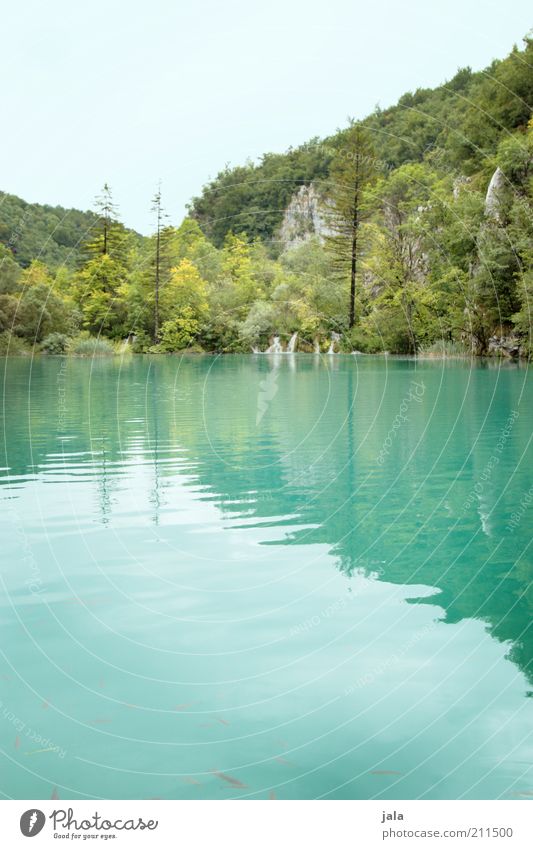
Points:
x=266, y=577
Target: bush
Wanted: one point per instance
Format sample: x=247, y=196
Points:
x=55, y=343
x=362, y=339
x=444, y=348
x=141, y=342
x=397, y=335
x=259, y=324
x=12, y=345
x=222, y=334
x=90, y=346
x=123, y=348
x=178, y=333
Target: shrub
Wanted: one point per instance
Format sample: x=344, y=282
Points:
x=141, y=342
x=259, y=324
x=222, y=334
x=55, y=343
x=362, y=339
x=123, y=348
x=12, y=345
x=90, y=346
x=178, y=333
x=443, y=348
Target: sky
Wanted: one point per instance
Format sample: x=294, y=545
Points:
x=131, y=93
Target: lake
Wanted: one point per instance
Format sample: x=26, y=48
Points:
x=287, y=576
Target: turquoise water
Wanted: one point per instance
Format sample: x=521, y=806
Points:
x=262, y=577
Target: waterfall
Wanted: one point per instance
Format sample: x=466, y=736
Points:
x=292, y=343
x=316, y=346
x=334, y=338
x=275, y=348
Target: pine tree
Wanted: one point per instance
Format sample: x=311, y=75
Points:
x=352, y=171
x=160, y=215
x=108, y=237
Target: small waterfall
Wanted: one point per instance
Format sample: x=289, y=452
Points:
x=316, y=346
x=275, y=348
x=334, y=338
x=292, y=343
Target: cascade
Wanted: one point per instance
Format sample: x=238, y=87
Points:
x=334, y=338
x=275, y=348
x=292, y=343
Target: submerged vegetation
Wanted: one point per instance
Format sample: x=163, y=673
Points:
x=421, y=242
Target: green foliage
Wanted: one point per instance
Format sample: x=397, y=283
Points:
x=353, y=171
x=455, y=126
x=53, y=234
x=260, y=323
x=523, y=318
x=413, y=258
x=99, y=293
x=251, y=198
x=8, y=312
x=141, y=342
x=9, y=271
x=12, y=345
x=363, y=339
x=180, y=332
x=443, y=349
x=39, y=309
x=185, y=290
x=238, y=273
x=107, y=236
x=55, y=343
x=85, y=345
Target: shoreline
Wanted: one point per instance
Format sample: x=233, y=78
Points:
x=478, y=358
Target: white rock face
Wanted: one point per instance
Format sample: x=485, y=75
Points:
x=494, y=194
x=303, y=218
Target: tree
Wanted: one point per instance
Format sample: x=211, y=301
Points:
x=99, y=289
x=40, y=309
x=160, y=214
x=188, y=242
x=179, y=332
x=9, y=271
x=183, y=307
x=307, y=271
x=352, y=172
x=238, y=271
x=398, y=263
x=108, y=237
x=185, y=289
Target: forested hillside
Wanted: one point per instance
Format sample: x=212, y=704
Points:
x=49, y=233
x=424, y=243
x=457, y=126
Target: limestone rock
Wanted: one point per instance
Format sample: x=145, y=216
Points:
x=506, y=346
x=494, y=194
x=303, y=218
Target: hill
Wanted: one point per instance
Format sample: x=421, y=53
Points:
x=456, y=126
x=409, y=232
x=51, y=234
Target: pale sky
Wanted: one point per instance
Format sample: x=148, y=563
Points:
x=130, y=92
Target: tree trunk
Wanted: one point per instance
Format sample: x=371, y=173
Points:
x=353, y=267
x=353, y=274
x=156, y=310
